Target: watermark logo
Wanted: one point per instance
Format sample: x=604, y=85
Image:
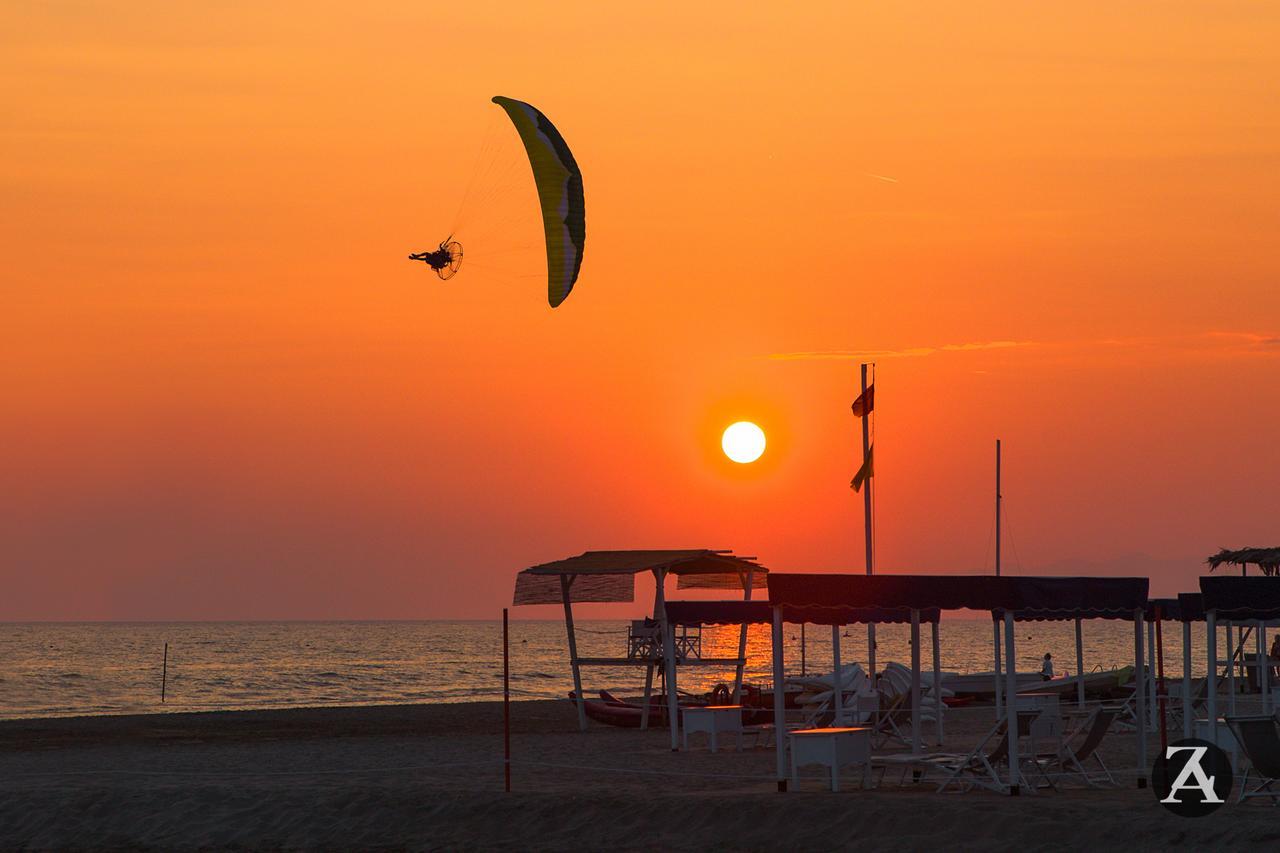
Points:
x=1192, y=778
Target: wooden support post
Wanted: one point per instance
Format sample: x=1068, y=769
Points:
x=779, y=701
x=1140, y=679
x=803, y=652
x=1211, y=675
x=1160, y=688
x=1151, y=674
x=1188, y=705
x=668, y=633
x=1079, y=664
x=995, y=644
x=565, y=582
x=1011, y=703
x=164, y=673
x=915, y=682
x=648, y=696
x=742, y=639
x=1231, y=668
x=1264, y=668
x=506, y=703
x=673, y=703
x=937, y=682
x=837, y=692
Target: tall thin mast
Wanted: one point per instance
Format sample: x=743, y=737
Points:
x=996, y=625
x=866, y=449
x=998, y=499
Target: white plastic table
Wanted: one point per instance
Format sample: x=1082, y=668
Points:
x=1048, y=725
x=713, y=720
x=832, y=748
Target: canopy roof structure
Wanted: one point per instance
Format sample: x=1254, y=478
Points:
x=761, y=613
x=609, y=576
x=1242, y=599
x=1266, y=559
x=1190, y=607
x=830, y=598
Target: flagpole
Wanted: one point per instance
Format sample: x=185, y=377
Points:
x=866, y=512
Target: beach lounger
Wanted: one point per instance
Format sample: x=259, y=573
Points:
x=979, y=768
x=1259, y=737
x=1073, y=759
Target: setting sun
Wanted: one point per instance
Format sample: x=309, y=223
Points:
x=743, y=442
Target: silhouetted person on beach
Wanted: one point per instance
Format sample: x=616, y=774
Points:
x=1046, y=668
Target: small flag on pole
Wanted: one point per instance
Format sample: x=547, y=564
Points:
x=865, y=472
x=865, y=403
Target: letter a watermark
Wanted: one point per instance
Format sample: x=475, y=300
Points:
x=1192, y=778
x=1193, y=767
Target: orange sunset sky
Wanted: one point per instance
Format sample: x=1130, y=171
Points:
x=228, y=395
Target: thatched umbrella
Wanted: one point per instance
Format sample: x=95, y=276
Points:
x=1266, y=559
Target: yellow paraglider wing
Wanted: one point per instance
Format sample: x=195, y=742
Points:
x=559, y=183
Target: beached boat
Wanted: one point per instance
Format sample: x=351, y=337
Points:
x=615, y=711
x=980, y=686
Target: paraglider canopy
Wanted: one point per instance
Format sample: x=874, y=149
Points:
x=559, y=183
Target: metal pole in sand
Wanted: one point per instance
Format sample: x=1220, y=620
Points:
x=506, y=702
x=164, y=673
x=869, y=532
x=1160, y=690
x=1011, y=703
x=779, y=702
x=1140, y=680
x=803, y=662
x=837, y=697
x=1079, y=665
x=995, y=626
x=1187, y=704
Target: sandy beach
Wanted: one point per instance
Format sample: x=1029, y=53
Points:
x=430, y=777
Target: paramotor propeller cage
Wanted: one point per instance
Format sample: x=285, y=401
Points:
x=453, y=250
x=445, y=260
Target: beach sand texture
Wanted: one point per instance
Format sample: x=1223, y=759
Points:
x=430, y=777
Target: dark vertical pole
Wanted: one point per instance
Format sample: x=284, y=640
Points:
x=803, y=662
x=998, y=499
x=868, y=532
x=506, y=702
x=164, y=673
x=1160, y=692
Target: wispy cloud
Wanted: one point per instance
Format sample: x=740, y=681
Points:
x=910, y=352
x=881, y=177
x=1217, y=341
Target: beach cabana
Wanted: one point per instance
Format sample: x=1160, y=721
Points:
x=1239, y=599
x=829, y=598
x=761, y=613
x=609, y=576
x=1266, y=559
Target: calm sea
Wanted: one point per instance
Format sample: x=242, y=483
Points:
x=59, y=669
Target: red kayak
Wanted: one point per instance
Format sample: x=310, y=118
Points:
x=616, y=712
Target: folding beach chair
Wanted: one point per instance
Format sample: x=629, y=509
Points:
x=1259, y=737
x=887, y=721
x=1073, y=760
x=978, y=768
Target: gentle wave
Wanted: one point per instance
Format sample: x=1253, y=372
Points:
x=60, y=669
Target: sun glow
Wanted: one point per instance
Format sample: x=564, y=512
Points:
x=743, y=442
